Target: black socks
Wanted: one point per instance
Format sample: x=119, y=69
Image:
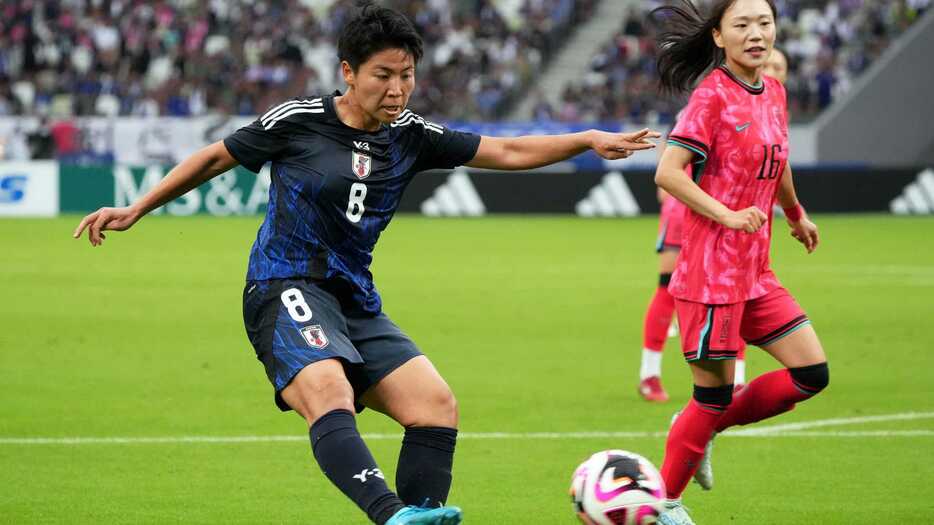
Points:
x=423, y=477
x=347, y=462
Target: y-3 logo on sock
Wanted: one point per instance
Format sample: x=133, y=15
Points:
x=365, y=472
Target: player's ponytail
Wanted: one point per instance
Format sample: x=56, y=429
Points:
x=686, y=46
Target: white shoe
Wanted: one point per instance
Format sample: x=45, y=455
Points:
x=675, y=513
x=704, y=473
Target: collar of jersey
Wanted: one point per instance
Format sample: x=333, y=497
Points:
x=332, y=112
x=757, y=89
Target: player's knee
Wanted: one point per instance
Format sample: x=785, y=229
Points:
x=811, y=379
x=441, y=411
x=312, y=397
x=447, y=409
x=714, y=396
x=436, y=410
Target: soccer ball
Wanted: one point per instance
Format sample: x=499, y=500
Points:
x=615, y=487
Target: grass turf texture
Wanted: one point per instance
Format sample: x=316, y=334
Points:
x=535, y=323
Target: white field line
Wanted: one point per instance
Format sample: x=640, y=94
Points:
x=804, y=425
x=785, y=430
x=845, y=434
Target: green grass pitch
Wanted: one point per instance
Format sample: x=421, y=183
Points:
x=536, y=324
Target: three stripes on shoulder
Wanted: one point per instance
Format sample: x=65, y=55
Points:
x=292, y=107
x=917, y=198
x=457, y=197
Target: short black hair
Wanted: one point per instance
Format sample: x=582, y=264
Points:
x=373, y=29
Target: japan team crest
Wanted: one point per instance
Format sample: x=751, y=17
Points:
x=314, y=336
x=361, y=165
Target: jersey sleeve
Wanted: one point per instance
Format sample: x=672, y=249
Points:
x=444, y=148
x=698, y=122
x=254, y=144
x=269, y=136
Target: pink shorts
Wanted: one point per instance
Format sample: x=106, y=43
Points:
x=720, y=331
x=670, y=225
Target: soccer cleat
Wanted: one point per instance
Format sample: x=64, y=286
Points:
x=651, y=389
x=704, y=473
x=412, y=515
x=675, y=513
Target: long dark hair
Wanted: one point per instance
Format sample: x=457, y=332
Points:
x=686, y=46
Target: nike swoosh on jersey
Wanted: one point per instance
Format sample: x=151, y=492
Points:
x=744, y=126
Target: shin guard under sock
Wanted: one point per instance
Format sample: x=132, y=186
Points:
x=689, y=435
x=347, y=462
x=423, y=477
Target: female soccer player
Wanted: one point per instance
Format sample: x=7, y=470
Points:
x=662, y=307
x=734, y=134
x=776, y=66
x=339, y=166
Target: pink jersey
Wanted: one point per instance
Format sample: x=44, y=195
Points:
x=671, y=218
x=739, y=135
x=670, y=224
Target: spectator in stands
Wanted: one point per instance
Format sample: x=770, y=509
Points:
x=829, y=44
x=41, y=145
x=14, y=145
x=182, y=58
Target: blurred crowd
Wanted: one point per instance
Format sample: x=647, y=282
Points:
x=189, y=57
x=63, y=58
x=828, y=44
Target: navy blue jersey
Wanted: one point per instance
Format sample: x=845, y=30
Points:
x=334, y=188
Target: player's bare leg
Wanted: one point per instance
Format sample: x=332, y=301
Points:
x=318, y=389
x=415, y=395
x=798, y=349
x=418, y=398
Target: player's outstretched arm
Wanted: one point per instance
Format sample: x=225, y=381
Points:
x=535, y=151
x=802, y=228
x=201, y=166
x=670, y=177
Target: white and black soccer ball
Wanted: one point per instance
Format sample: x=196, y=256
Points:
x=616, y=487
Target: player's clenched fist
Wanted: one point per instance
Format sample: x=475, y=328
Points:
x=749, y=220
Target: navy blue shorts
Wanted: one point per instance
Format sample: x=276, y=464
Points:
x=293, y=323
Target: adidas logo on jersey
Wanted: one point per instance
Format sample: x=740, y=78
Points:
x=456, y=197
x=917, y=198
x=365, y=146
x=610, y=198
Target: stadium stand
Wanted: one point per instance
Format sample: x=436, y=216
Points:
x=185, y=58
x=829, y=44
